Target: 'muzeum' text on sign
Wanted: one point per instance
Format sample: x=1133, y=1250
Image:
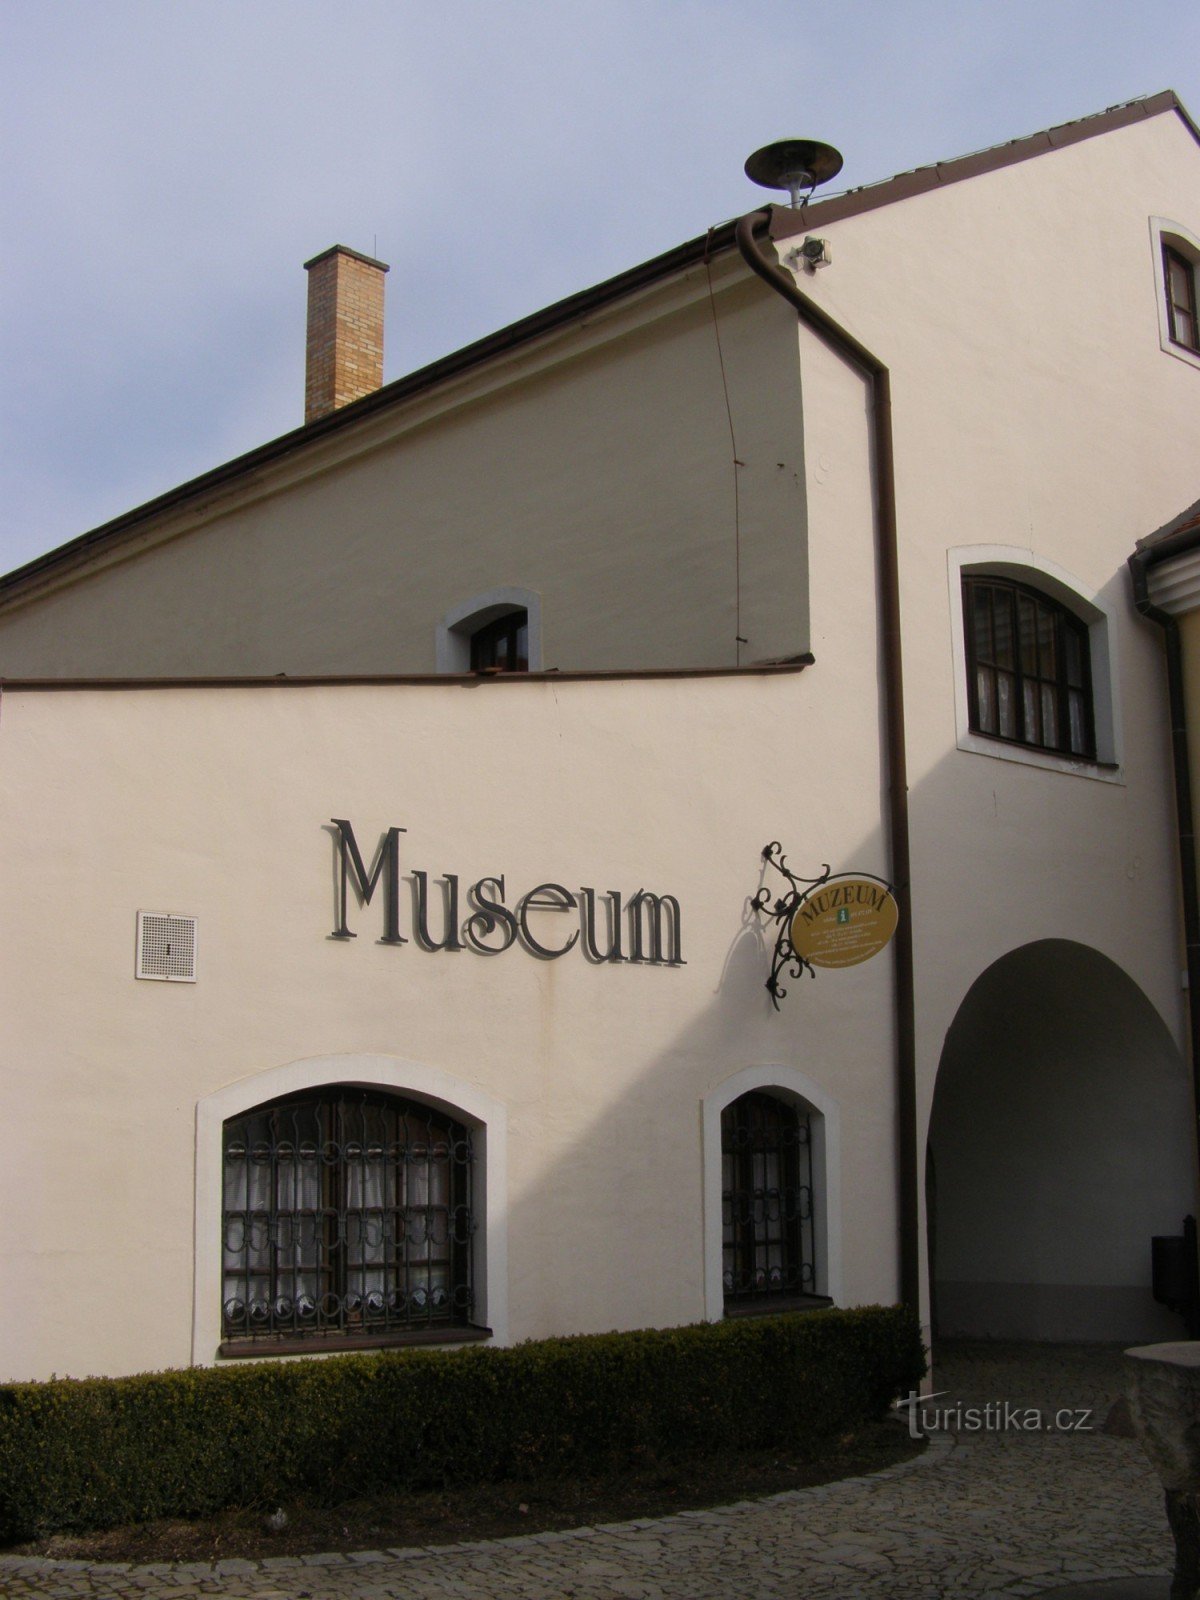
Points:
x=646, y=928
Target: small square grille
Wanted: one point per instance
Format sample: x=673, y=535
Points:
x=166, y=947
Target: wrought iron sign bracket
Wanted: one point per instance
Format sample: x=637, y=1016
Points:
x=784, y=909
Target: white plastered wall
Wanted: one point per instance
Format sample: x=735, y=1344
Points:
x=1034, y=410
x=216, y=804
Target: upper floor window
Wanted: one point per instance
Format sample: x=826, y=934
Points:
x=499, y=630
x=1179, y=274
x=502, y=645
x=1176, y=261
x=1028, y=668
x=346, y=1220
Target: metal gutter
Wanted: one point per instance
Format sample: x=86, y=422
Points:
x=850, y=349
x=1140, y=562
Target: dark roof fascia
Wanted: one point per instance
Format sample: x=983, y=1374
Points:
x=461, y=680
x=546, y=321
x=785, y=222
x=1175, y=539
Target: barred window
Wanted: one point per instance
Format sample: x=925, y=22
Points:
x=1029, y=678
x=347, y=1220
x=767, y=1202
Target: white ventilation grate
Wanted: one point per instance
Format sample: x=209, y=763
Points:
x=166, y=947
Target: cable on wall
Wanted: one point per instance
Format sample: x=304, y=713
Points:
x=738, y=641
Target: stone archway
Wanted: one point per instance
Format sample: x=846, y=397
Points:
x=1059, y=1143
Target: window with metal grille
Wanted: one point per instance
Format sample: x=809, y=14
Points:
x=767, y=1202
x=1183, y=325
x=347, y=1216
x=502, y=645
x=1029, y=678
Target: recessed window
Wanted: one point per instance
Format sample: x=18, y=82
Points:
x=1179, y=274
x=502, y=645
x=346, y=1219
x=1176, y=264
x=1028, y=668
x=766, y=1203
x=497, y=631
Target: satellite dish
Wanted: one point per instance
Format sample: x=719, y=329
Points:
x=795, y=165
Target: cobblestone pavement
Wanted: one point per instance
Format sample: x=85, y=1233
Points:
x=982, y=1513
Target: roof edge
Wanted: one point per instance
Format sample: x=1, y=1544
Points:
x=921, y=180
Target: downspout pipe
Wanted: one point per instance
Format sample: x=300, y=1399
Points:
x=850, y=350
x=1140, y=563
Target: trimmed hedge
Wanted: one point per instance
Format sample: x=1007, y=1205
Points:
x=93, y=1453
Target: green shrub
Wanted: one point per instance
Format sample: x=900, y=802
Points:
x=92, y=1453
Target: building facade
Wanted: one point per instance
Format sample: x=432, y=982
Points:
x=470, y=1036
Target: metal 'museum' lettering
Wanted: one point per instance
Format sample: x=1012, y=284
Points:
x=387, y=862
x=653, y=904
x=654, y=920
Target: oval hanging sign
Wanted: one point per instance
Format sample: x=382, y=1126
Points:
x=845, y=921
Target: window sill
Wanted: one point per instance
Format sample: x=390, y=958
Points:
x=1183, y=352
x=1028, y=755
x=771, y=1307
x=314, y=1345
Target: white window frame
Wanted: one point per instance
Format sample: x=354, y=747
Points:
x=1185, y=243
x=452, y=641
x=465, y=1102
x=825, y=1123
x=1037, y=572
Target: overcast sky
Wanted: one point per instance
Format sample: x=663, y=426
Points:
x=168, y=165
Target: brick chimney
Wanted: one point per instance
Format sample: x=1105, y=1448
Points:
x=345, y=329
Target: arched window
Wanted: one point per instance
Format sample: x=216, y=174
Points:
x=497, y=631
x=1029, y=676
x=767, y=1209
x=1177, y=266
x=346, y=1217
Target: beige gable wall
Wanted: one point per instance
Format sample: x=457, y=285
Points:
x=596, y=470
x=1034, y=411
x=1037, y=421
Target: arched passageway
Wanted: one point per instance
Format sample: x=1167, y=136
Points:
x=1059, y=1143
